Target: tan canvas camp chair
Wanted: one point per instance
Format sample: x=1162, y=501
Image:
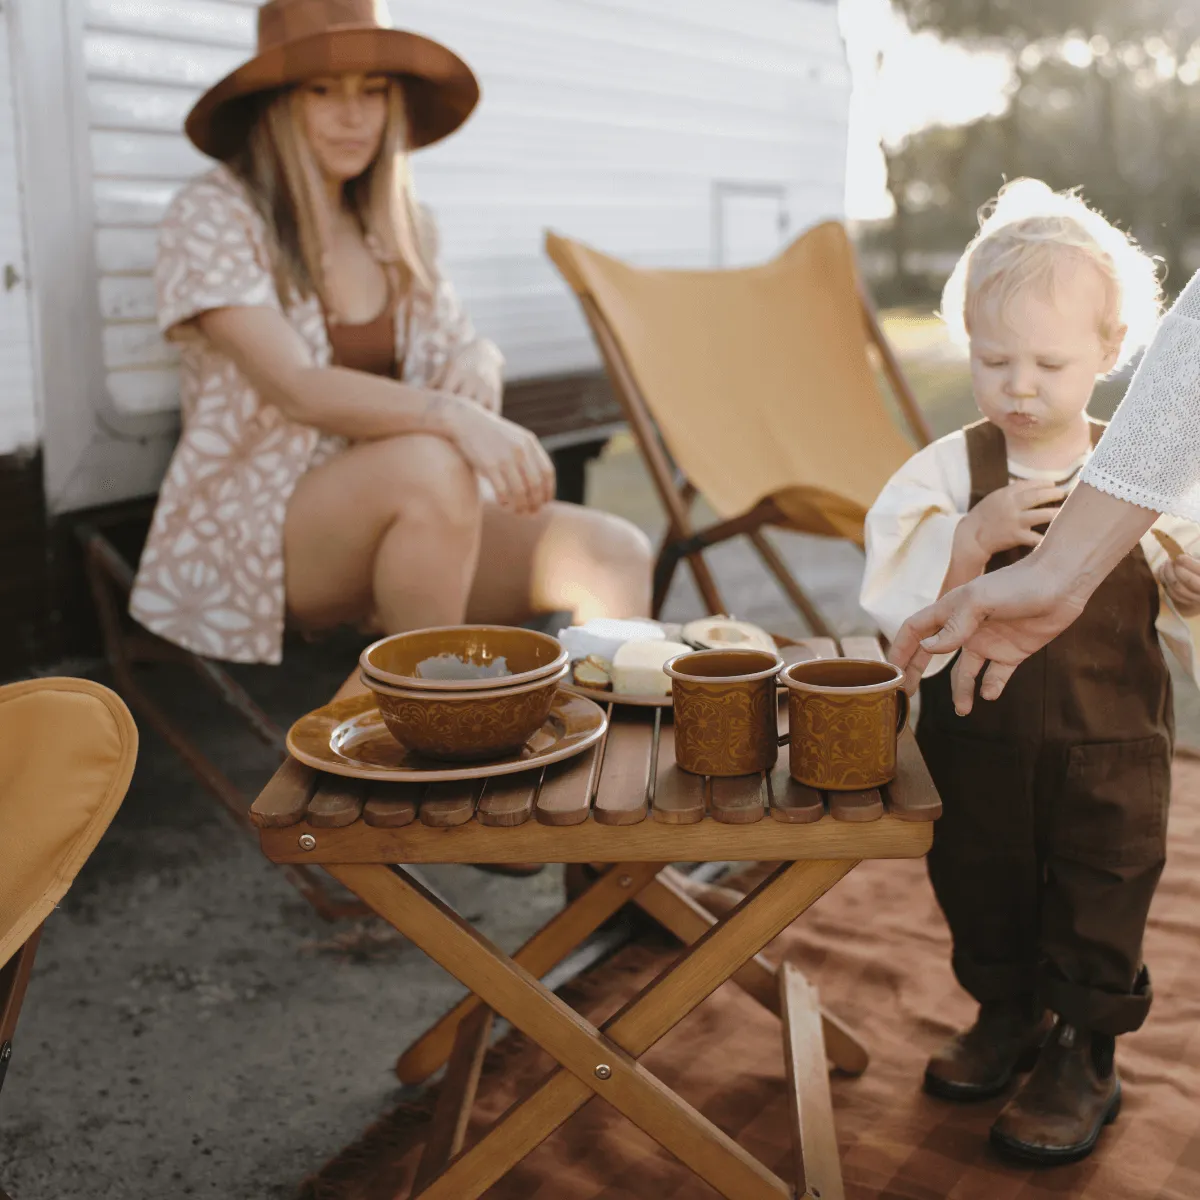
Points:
x=753, y=388
x=67, y=749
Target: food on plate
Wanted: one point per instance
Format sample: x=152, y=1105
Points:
x=594, y=673
x=724, y=633
x=638, y=667
x=603, y=636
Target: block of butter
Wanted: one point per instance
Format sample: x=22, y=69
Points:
x=603, y=637
x=638, y=668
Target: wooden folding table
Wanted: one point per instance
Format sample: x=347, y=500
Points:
x=624, y=804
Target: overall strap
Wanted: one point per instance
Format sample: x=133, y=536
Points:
x=987, y=456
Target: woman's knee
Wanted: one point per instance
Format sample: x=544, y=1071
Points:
x=607, y=571
x=615, y=545
x=431, y=485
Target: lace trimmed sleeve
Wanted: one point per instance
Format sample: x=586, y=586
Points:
x=1150, y=454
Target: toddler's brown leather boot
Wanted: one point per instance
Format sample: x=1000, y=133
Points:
x=1060, y=1110
x=979, y=1063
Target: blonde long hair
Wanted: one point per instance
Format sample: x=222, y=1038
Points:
x=280, y=171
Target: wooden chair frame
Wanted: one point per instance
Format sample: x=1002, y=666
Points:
x=14, y=980
x=683, y=541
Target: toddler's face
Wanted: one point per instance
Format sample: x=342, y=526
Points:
x=1035, y=360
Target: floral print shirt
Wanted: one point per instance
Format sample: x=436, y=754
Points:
x=211, y=577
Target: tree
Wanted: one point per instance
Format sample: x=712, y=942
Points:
x=1104, y=96
x=1018, y=23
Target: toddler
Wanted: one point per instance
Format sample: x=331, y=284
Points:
x=1055, y=796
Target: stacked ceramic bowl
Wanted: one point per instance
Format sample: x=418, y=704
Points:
x=465, y=693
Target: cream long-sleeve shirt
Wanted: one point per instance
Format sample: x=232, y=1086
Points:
x=910, y=535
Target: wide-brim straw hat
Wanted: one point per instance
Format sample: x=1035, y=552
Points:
x=302, y=39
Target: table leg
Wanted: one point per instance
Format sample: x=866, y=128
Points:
x=456, y=1097
x=595, y=1062
x=818, y=1172
x=546, y=949
x=668, y=902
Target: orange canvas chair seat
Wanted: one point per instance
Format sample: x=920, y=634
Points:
x=755, y=385
x=67, y=751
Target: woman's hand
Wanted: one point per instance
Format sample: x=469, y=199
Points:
x=1002, y=618
x=477, y=374
x=1181, y=578
x=999, y=620
x=509, y=457
x=1009, y=517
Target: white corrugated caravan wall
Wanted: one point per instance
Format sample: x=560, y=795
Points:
x=19, y=423
x=682, y=132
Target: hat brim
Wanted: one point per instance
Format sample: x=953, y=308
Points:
x=441, y=90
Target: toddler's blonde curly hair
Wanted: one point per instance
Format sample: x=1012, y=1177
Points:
x=1026, y=235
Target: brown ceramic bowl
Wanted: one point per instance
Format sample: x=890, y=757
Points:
x=466, y=726
x=463, y=658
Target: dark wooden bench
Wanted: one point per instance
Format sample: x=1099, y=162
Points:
x=574, y=415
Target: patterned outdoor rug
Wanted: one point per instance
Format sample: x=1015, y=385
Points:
x=877, y=949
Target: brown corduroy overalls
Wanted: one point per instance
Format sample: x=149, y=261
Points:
x=1055, y=800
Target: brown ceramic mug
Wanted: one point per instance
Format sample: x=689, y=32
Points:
x=845, y=716
x=725, y=704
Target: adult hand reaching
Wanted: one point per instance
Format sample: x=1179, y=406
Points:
x=1000, y=619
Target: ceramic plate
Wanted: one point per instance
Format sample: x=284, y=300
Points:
x=348, y=737
x=656, y=701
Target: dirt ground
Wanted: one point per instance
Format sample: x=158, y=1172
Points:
x=192, y=1029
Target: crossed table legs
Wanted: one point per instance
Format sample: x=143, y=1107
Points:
x=604, y=1061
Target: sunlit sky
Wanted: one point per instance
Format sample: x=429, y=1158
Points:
x=921, y=81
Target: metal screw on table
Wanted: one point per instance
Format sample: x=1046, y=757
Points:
x=626, y=881
x=307, y=841
x=604, y=1071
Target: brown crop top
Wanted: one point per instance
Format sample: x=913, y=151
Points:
x=369, y=347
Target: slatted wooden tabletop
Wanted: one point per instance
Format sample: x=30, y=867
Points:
x=623, y=800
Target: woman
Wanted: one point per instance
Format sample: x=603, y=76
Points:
x=1148, y=462
x=342, y=457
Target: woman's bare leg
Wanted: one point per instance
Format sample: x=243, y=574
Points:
x=564, y=558
x=387, y=531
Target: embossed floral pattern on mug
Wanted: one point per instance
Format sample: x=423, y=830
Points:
x=844, y=716
x=725, y=711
